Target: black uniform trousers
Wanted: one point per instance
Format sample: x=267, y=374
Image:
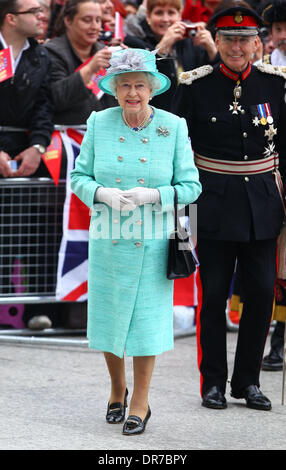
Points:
x=257, y=264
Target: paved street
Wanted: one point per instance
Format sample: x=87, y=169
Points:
x=54, y=397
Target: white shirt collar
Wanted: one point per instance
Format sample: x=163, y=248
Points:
x=15, y=61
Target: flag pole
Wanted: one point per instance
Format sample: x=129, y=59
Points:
x=284, y=367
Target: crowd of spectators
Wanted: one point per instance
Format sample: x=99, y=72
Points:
x=164, y=25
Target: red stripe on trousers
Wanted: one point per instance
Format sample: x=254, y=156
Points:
x=198, y=323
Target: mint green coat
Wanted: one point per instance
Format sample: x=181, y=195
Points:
x=130, y=299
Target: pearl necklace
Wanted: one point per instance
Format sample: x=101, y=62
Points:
x=142, y=124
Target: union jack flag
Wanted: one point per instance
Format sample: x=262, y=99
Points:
x=73, y=253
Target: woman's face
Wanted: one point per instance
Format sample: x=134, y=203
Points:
x=162, y=17
x=85, y=26
x=133, y=93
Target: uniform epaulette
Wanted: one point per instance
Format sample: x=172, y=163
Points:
x=266, y=59
x=273, y=69
x=187, y=78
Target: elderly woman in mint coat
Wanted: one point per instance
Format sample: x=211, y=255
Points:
x=131, y=158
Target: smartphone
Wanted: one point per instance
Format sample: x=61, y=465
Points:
x=13, y=165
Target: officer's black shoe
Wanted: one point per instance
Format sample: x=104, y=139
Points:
x=254, y=398
x=214, y=398
x=274, y=360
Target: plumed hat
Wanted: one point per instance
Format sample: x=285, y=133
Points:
x=273, y=11
x=133, y=60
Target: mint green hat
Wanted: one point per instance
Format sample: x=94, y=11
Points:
x=133, y=60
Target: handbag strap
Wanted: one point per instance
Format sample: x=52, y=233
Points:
x=175, y=208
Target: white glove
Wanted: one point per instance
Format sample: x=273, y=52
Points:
x=114, y=198
x=140, y=196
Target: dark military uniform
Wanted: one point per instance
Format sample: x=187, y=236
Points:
x=239, y=216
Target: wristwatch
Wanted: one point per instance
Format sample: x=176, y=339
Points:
x=40, y=147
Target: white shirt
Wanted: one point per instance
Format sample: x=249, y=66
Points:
x=16, y=61
x=278, y=58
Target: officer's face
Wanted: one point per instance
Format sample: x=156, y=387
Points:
x=236, y=51
x=279, y=35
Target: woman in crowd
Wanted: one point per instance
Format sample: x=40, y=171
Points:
x=76, y=57
x=163, y=30
x=131, y=158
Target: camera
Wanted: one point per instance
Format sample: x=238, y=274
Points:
x=191, y=30
x=106, y=36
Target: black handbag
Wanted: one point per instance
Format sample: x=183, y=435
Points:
x=181, y=258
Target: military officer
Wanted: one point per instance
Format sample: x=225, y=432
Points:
x=236, y=117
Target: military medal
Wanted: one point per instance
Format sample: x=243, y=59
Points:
x=268, y=112
x=235, y=107
x=256, y=121
x=270, y=132
x=264, y=113
x=269, y=150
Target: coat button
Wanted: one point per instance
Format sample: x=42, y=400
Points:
x=138, y=244
x=245, y=157
x=213, y=119
x=143, y=160
x=246, y=179
x=118, y=180
x=244, y=134
x=141, y=180
x=144, y=140
x=122, y=139
x=120, y=158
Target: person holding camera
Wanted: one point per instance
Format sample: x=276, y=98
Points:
x=180, y=47
x=77, y=56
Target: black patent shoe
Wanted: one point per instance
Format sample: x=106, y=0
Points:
x=116, y=411
x=214, y=398
x=254, y=398
x=274, y=360
x=135, y=425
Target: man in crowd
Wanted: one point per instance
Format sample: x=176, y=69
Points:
x=25, y=98
x=241, y=110
x=26, y=106
x=274, y=16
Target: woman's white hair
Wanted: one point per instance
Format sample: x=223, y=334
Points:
x=153, y=81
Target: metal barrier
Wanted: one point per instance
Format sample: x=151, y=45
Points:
x=31, y=219
x=30, y=235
